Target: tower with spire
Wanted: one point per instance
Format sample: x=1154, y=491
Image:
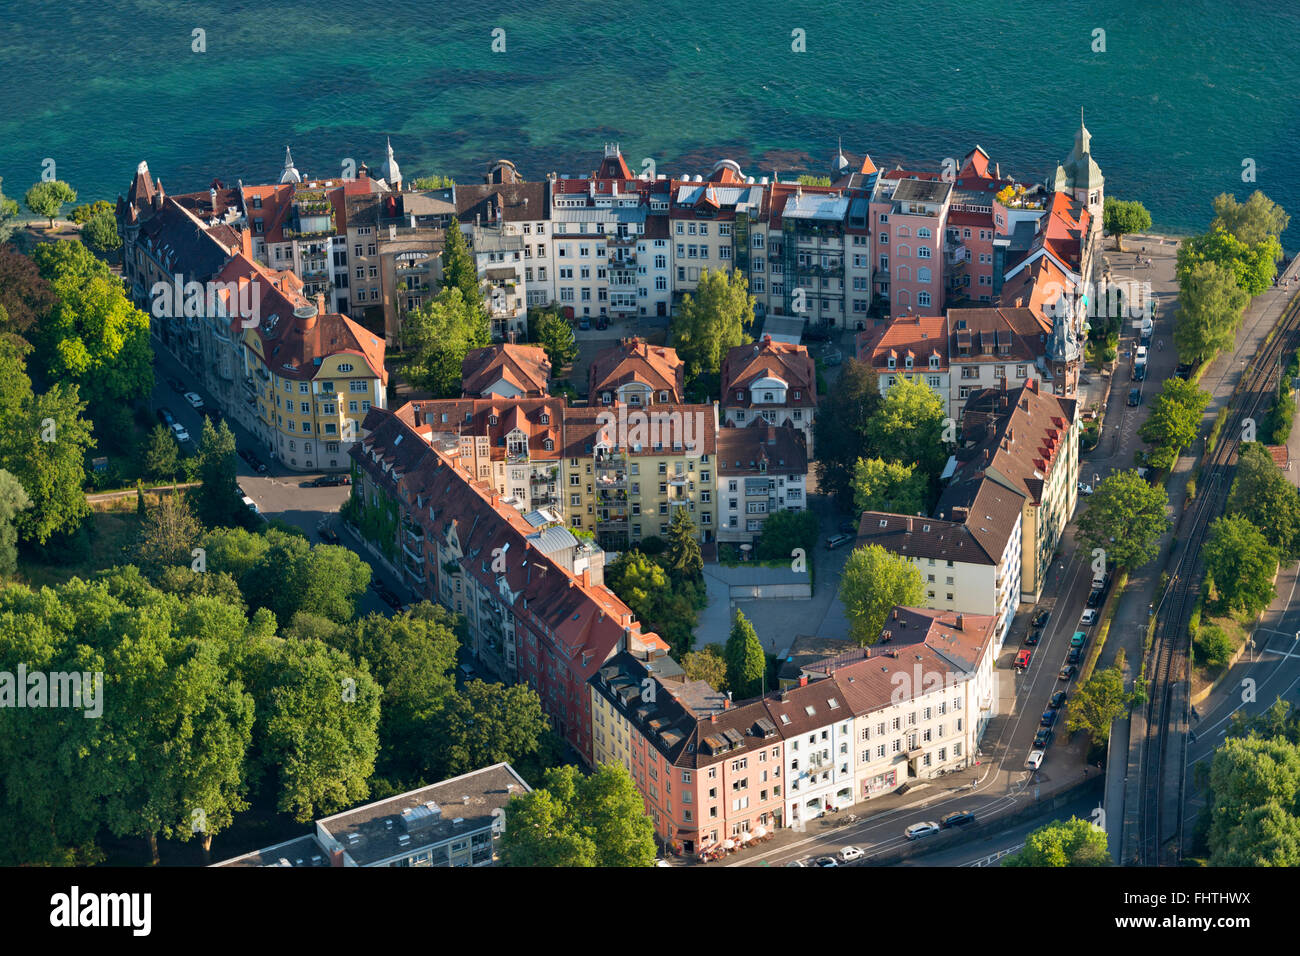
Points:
x=1080, y=176
x=289, y=174
x=389, y=172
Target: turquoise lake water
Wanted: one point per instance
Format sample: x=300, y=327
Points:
x=1184, y=92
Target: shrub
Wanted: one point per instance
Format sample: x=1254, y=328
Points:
x=1213, y=647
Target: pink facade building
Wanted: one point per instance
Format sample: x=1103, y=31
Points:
x=909, y=213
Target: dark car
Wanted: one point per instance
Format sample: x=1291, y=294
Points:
x=816, y=334
x=1184, y=371
x=1094, y=598
x=1043, y=738
x=1032, y=638
x=1041, y=619
x=253, y=461
x=961, y=818
x=385, y=595
x=584, y=323
x=328, y=535
x=166, y=417
x=177, y=386
x=213, y=413
x=849, y=527
x=1134, y=397
x=1073, y=656
x=602, y=323
x=1048, y=718
x=1058, y=699
x=1066, y=672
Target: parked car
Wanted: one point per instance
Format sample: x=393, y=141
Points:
x=850, y=853
x=1089, y=618
x=849, y=526
x=165, y=416
x=1074, y=655
x=1043, y=738
x=1032, y=638
x=1078, y=640
x=959, y=818
x=584, y=323
x=827, y=861
x=1140, y=372
x=1094, y=597
x=1085, y=490
x=836, y=540
x=251, y=505
x=1184, y=371
x=195, y=399
x=832, y=357
x=1066, y=672
x=176, y=385
x=1141, y=356
x=795, y=863
x=1035, y=759
x=253, y=461
x=327, y=534
x=1022, y=658
x=385, y=595
x=918, y=830
x=1059, y=699
x=179, y=432
x=1134, y=397
x=327, y=481
x=602, y=322
x=1048, y=718
x=1040, y=619
x=212, y=413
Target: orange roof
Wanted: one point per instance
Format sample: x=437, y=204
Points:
x=921, y=335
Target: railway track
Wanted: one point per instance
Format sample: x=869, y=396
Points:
x=1168, y=667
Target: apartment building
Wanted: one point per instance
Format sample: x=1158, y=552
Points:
x=909, y=213
x=989, y=346
x=708, y=770
x=972, y=257
x=813, y=232
x=499, y=259
x=529, y=619
x=312, y=377
x=638, y=374
x=625, y=469
x=506, y=371
x=513, y=445
x=457, y=822
x=514, y=208
x=1025, y=440
x=761, y=469
x=970, y=560
x=710, y=221
x=816, y=722
x=772, y=382
x=910, y=346
x=921, y=697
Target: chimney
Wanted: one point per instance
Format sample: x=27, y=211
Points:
x=212, y=197
x=320, y=303
x=586, y=577
x=336, y=857
x=713, y=718
x=895, y=614
x=803, y=680
x=961, y=618
x=726, y=704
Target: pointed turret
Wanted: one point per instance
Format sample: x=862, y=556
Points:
x=289, y=174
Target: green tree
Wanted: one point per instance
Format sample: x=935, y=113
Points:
x=1119, y=217
x=1263, y=495
x=784, y=532
x=1096, y=704
x=88, y=211
x=910, y=423
x=8, y=213
x=683, y=558
x=555, y=335
x=433, y=182
x=1174, y=422
x=807, y=179
x=1254, y=221
x=460, y=272
x=572, y=820
x=169, y=533
x=24, y=296
x=438, y=335
x=45, y=199
x=1072, y=842
x=707, y=665
x=873, y=582
x=1241, y=562
x=714, y=318
x=669, y=608
x=487, y=724
x=1125, y=518
x=1210, y=306
x=840, y=430
x=1213, y=647
x=93, y=337
x=317, y=726
x=745, y=660
x=1253, y=787
x=100, y=235
x=891, y=486
x=162, y=455
x=292, y=575
x=217, y=501
x=1253, y=266
x=13, y=500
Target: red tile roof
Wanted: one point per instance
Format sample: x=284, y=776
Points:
x=526, y=367
x=746, y=364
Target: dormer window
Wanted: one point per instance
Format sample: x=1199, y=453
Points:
x=934, y=361
x=492, y=419
x=549, y=445
x=892, y=363
x=545, y=419
x=908, y=361
x=740, y=396
x=767, y=397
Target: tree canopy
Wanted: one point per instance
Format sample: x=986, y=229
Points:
x=1241, y=563
x=439, y=335
x=1120, y=217
x=46, y=198
x=1125, y=518
x=891, y=486
x=1174, y=422
x=873, y=582
x=745, y=659
x=841, y=429
x=1210, y=306
x=1266, y=498
x=712, y=319
x=1072, y=842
